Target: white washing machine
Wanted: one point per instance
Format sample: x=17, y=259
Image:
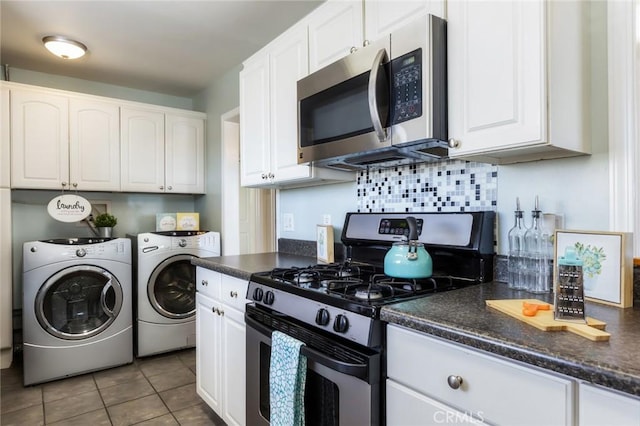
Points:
x=166, y=288
x=77, y=307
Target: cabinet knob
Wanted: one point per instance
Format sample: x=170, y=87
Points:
x=219, y=311
x=233, y=293
x=75, y=185
x=365, y=43
x=169, y=188
x=264, y=176
x=271, y=175
x=161, y=187
x=353, y=49
x=454, y=381
x=64, y=184
x=205, y=283
x=454, y=143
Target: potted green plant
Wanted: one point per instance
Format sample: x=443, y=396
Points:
x=105, y=223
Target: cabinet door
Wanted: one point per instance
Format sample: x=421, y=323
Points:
x=234, y=368
x=94, y=145
x=142, y=145
x=598, y=406
x=497, y=74
x=408, y=408
x=288, y=63
x=184, y=154
x=384, y=16
x=208, y=360
x=39, y=140
x=334, y=29
x=255, y=160
x=5, y=138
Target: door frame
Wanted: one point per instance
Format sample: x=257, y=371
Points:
x=261, y=215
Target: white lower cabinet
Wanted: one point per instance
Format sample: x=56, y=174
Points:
x=220, y=344
x=431, y=381
x=598, y=406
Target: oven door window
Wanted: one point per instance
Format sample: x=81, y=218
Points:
x=321, y=397
x=340, y=112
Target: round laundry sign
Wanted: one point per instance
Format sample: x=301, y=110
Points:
x=69, y=208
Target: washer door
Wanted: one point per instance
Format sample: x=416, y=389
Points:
x=172, y=287
x=78, y=302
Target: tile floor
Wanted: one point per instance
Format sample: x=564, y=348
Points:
x=158, y=390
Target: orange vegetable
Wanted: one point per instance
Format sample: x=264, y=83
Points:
x=531, y=309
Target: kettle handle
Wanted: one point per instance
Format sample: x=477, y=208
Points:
x=413, y=228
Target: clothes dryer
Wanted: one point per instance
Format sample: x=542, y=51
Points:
x=166, y=288
x=77, y=306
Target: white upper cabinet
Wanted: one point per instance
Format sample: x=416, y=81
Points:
x=335, y=29
x=39, y=140
x=66, y=140
x=383, y=17
x=269, y=117
x=517, y=80
x=255, y=145
x=5, y=138
x=94, y=145
x=184, y=154
x=63, y=142
x=142, y=135
x=338, y=28
x=161, y=151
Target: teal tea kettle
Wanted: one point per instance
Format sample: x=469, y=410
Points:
x=408, y=259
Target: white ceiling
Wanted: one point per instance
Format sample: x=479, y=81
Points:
x=173, y=47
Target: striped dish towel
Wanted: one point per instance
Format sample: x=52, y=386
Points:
x=287, y=375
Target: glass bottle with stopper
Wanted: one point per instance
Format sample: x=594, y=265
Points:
x=515, y=260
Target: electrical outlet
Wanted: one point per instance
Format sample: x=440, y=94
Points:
x=287, y=222
x=326, y=219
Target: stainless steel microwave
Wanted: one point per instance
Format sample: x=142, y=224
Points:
x=383, y=105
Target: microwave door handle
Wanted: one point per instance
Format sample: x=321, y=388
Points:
x=373, y=95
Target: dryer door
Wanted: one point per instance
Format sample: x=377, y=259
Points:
x=78, y=302
x=172, y=287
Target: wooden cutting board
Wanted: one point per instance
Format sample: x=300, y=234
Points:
x=543, y=320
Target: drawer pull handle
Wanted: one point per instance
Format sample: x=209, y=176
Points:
x=454, y=381
x=233, y=293
x=205, y=282
x=218, y=311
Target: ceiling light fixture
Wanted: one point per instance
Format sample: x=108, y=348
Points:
x=63, y=47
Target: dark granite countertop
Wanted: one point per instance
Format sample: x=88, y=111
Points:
x=462, y=316
x=242, y=266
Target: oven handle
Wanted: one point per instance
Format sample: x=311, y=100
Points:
x=355, y=370
x=373, y=95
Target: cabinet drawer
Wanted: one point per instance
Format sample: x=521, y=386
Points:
x=234, y=292
x=208, y=282
x=501, y=391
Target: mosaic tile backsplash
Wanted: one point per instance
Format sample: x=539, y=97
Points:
x=449, y=186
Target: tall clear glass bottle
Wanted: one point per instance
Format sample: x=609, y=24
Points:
x=516, y=258
x=537, y=243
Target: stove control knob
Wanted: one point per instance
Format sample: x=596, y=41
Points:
x=268, y=298
x=341, y=324
x=322, y=317
x=257, y=294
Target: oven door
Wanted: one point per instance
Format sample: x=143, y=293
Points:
x=342, y=388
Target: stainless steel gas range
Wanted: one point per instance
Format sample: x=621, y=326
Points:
x=334, y=309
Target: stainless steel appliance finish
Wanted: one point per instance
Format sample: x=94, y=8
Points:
x=77, y=307
x=385, y=104
x=335, y=310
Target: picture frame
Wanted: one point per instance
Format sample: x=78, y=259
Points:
x=324, y=243
x=607, y=264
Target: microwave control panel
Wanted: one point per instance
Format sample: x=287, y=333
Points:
x=406, y=76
